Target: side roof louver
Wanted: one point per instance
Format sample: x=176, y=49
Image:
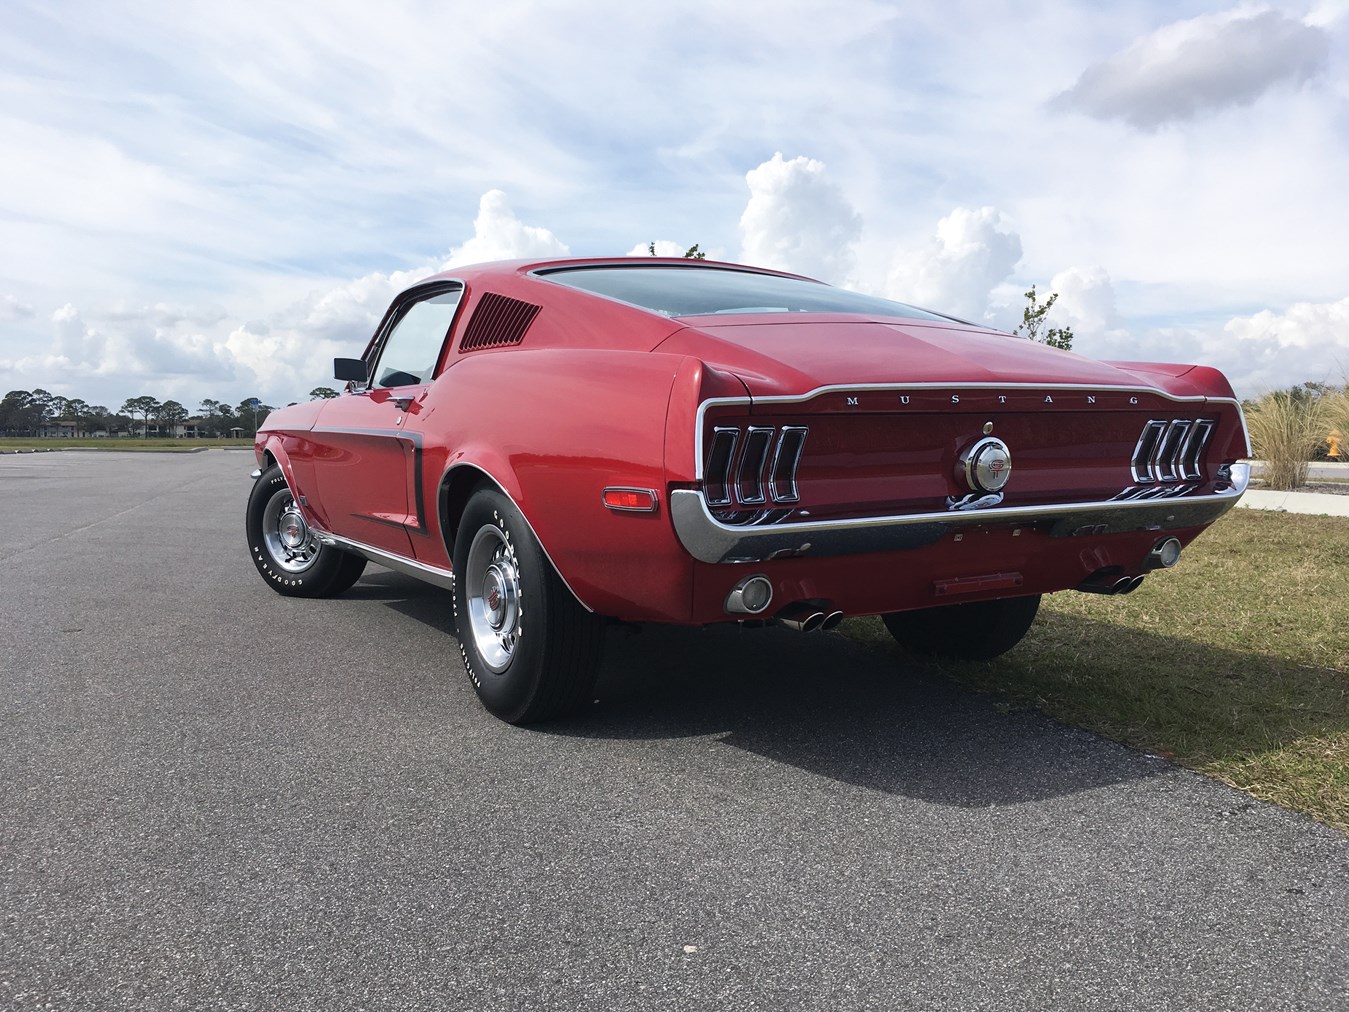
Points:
x=497, y=321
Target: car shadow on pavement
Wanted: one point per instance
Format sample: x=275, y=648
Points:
x=818, y=702
x=835, y=708
x=413, y=598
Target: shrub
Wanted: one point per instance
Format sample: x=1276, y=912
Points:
x=1286, y=431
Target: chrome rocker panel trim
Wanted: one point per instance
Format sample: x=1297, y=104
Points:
x=433, y=575
x=709, y=540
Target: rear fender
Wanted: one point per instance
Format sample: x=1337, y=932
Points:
x=552, y=429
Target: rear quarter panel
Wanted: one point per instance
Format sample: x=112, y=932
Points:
x=554, y=427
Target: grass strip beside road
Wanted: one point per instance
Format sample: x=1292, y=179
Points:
x=122, y=444
x=1234, y=664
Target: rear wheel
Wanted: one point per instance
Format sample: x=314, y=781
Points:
x=977, y=631
x=286, y=552
x=531, y=650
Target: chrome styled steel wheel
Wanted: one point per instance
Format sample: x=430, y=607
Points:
x=291, y=544
x=286, y=552
x=530, y=649
x=492, y=592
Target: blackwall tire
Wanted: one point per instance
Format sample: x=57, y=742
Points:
x=977, y=631
x=530, y=649
x=286, y=553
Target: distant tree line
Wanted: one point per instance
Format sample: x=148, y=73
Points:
x=38, y=412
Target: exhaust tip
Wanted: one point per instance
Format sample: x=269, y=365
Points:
x=751, y=596
x=804, y=616
x=1164, y=554
x=831, y=621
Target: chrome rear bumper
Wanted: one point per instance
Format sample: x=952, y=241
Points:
x=709, y=540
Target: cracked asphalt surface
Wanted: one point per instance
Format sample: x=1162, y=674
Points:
x=213, y=797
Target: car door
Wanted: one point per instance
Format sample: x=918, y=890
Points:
x=366, y=472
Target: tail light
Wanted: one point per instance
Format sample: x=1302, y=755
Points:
x=753, y=467
x=1171, y=451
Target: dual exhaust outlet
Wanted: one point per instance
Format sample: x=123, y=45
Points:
x=751, y=597
x=1107, y=582
x=808, y=616
x=1111, y=580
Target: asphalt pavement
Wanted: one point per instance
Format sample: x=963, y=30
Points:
x=213, y=797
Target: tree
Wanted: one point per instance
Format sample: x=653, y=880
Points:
x=42, y=407
x=17, y=413
x=169, y=414
x=144, y=406
x=1033, y=322
x=217, y=417
x=323, y=394
x=78, y=410
x=249, y=417
x=101, y=418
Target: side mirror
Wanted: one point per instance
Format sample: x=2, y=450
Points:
x=353, y=370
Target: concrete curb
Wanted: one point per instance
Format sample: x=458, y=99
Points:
x=1317, y=503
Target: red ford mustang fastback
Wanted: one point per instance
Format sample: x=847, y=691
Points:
x=682, y=441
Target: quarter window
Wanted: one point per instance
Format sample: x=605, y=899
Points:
x=412, y=348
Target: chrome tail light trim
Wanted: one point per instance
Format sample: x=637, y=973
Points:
x=1171, y=450
x=717, y=482
x=749, y=476
x=786, y=460
x=1167, y=454
x=743, y=473
x=1145, y=450
x=1194, y=449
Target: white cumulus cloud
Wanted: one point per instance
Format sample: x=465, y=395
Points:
x=1307, y=341
x=12, y=310
x=797, y=220
x=972, y=253
x=1191, y=67
x=499, y=235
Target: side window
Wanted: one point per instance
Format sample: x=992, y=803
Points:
x=413, y=346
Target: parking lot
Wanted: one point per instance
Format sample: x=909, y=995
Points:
x=214, y=797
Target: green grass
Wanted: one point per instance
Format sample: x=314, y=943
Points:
x=1235, y=663
x=119, y=443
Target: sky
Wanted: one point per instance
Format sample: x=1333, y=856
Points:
x=206, y=200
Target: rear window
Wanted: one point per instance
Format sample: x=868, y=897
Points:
x=705, y=291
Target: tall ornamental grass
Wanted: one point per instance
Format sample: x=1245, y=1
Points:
x=1286, y=431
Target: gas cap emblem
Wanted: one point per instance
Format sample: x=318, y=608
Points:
x=986, y=465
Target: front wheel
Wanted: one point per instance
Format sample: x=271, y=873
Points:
x=530, y=648
x=286, y=552
x=977, y=631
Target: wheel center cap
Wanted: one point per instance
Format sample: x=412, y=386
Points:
x=294, y=531
x=495, y=596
